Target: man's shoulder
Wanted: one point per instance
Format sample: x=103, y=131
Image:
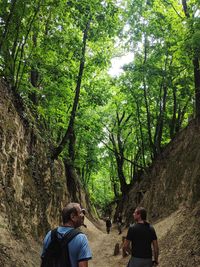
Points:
x=81, y=236
x=141, y=225
x=150, y=225
x=80, y=239
x=133, y=225
x=76, y=233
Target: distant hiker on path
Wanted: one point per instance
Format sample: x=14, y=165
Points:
x=119, y=223
x=77, y=248
x=108, y=225
x=142, y=235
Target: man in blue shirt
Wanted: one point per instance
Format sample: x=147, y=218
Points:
x=79, y=251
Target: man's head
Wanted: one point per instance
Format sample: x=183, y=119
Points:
x=140, y=214
x=73, y=215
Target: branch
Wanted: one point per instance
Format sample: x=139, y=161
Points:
x=169, y=3
x=128, y=160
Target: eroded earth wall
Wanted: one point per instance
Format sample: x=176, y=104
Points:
x=172, y=180
x=32, y=188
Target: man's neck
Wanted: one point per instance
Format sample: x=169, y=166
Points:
x=68, y=224
x=140, y=221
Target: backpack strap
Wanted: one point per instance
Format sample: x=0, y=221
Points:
x=46, y=259
x=64, y=244
x=69, y=236
x=54, y=234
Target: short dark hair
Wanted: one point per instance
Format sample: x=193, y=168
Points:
x=68, y=210
x=142, y=213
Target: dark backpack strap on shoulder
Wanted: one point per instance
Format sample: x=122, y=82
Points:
x=64, y=243
x=54, y=234
x=69, y=236
x=57, y=253
x=47, y=259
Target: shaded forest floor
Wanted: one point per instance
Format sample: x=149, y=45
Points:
x=170, y=231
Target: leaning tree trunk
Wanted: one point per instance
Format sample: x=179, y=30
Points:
x=69, y=135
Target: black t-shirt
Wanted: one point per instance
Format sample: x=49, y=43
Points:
x=119, y=219
x=141, y=235
x=108, y=223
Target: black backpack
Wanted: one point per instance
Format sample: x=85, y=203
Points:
x=57, y=254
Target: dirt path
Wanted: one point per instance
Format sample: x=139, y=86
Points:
x=102, y=245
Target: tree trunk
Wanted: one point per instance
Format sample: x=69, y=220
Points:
x=119, y=157
x=69, y=135
x=122, y=179
x=141, y=133
x=173, y=120
x=152, y=147
x=34, y=76
x=71, y=180
x=197, y=86
x=160, y=121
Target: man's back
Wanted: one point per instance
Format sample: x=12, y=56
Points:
x=141, y=235
x=108, y=223
x=57, y=253
x=78, y=246
x=72, y=218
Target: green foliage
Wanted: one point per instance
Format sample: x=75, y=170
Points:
x=100, y=189
x=131, y=117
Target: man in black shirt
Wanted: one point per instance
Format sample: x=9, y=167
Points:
x=108, y=224
x=142, y=235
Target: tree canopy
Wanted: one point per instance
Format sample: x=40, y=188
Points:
x=56, y=56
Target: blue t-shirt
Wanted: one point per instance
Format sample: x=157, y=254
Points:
x=79, y=249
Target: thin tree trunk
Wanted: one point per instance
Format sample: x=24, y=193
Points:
x=69, y=135
x=141, y=132
x=152, y=147
x=197, y=85
x=118, y=148
x=160, y=122
x=34, y=76
x=173, y=120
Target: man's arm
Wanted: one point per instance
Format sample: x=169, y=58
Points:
x=83, y=264
x=126, y=246
x=155, y=250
